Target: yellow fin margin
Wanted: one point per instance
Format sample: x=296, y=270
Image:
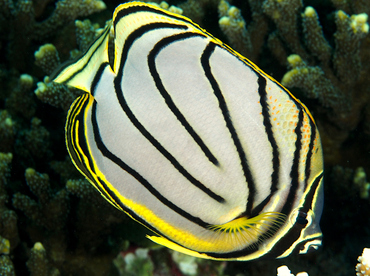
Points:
x=81, y=72
x=249, y=228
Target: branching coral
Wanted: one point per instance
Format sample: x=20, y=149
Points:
x=233, y=26
x=247, y=39
x=7, y=131
x=47, y=58
x=33, y=143
x=361, y=183
x=363, y=268
x=285, y=271
x=49, y=212
x=25, y=28
x=285, y=15
x=51, y=209
x=135, y=263
x=9, y=238
x=8, y=218
x=38, y=264
x=164, y=5
x=22, y=100
x=6, y=266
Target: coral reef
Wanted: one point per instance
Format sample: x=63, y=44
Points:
x=136, y=263
x=54, y=222
x=6, y=266
x=363, y=267
x=7, y=131
x=44, y=210
x=9, y=238
x=38, y=263
x=360, y=181
x=284, y=271
x=247, y=40
x=24, y=27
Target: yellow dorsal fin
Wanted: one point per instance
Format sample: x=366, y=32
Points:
x=80, y=73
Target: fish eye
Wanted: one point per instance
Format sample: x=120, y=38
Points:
x=302, y=218
x=299, y=218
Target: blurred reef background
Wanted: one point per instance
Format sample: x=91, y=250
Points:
x=52, y=222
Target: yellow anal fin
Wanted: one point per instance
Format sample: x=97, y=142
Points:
x=80, y=73
x=253, y=228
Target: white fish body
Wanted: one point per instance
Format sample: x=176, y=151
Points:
x=194, y=141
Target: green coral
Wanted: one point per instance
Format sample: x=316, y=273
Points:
x=245, y=37
x=47, y=58
x=33, y=143
x=233, y=26
x=51, y=209
x=38, y=264
x=22, y=100
x=361, y=183
x=9, y=238
x=7, y=131
x=285, y=15
x=6, y=266
x=25, y=28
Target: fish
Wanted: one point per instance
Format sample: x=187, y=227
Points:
x=193, y=140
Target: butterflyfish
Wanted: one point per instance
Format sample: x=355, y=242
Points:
x=194, y=141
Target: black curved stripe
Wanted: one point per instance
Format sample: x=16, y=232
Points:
x=294, y=185
x=115, y=159
x=120, y=96
x=171, y=105
x=294, y=173
x=229, y=124
x=275, y=149
x=97, y=77
x=135, y=9
x=138, y=33
x=285, y=242
x=308, y=201
x=66, y=64
x=295, y=232
x=310, y=149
